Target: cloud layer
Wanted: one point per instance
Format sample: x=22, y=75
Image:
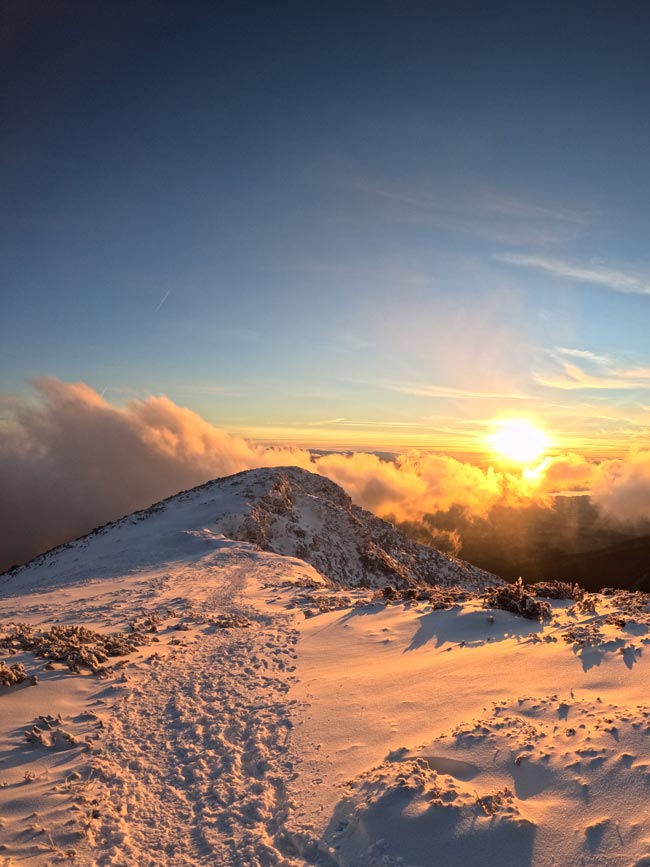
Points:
x=69, y=461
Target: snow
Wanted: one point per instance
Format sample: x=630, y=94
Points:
x=423, y=713
x=243, y=732
x=285, y=510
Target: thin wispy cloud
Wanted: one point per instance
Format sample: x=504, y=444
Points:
x=325, y=421
x=509, y=206
x=618, y=280
x=573, y=377
x=490, y=202
x=496, y=217
x=443, y=391
x=585, y=354
x=382, y=424
x=590, y=370
x=386, y=424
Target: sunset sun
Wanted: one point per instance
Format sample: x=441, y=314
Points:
x=518, y=440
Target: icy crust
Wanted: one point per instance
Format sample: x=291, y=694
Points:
x=490, y=791
x=284, y=510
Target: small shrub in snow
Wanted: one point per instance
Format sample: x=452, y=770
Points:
x=556, y=590
x=517, y=599
x=503, y=799
x=11, y=674
x=75, y=646
x=587, y=604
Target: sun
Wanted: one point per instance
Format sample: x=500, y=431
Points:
x=518, y=440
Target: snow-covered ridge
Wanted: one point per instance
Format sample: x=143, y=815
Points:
x=181, y=698
x=283, y=510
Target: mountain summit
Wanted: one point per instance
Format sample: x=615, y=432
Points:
x=283, y=510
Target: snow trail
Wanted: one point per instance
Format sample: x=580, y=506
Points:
x=196, y=759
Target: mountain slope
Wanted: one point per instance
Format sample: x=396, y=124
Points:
x=283, y=510
x=175, y=698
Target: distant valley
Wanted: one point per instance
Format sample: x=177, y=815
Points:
x=569, y=541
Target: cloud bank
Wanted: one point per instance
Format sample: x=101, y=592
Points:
x=70, y=461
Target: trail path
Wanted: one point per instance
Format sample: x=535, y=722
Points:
x=195, y=762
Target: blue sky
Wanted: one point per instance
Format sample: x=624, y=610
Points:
x=371, y=224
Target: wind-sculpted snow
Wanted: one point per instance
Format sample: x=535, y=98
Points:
x=283, y=510
x=475, y=795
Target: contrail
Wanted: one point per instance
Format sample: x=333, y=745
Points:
x=163, y=299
